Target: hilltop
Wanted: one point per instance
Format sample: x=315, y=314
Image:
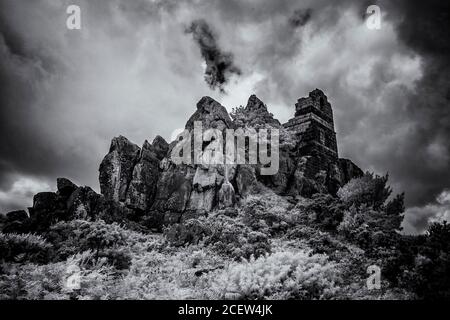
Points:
x=161, y=230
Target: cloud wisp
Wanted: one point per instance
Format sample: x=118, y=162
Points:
x=220, y=65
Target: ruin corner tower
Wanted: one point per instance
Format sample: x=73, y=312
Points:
x=314, y=126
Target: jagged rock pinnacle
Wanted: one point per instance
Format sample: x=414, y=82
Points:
x=212, y=115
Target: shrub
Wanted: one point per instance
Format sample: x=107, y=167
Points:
x=282, y=275
x=322, y=210
x=187, y=232
x=79, y=235
x=233, y=238
x=24, y=247
x=265, y=213
x=225, y=235
x=368, y=190
x=429, y=277
x=50, y=281
x=369, y=228
x=119, y=258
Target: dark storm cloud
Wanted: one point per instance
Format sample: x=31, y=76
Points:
x=300, y=17
x=423, y=27
x=219, y=64
x=22, y=72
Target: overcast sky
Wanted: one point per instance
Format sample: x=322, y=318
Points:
x=137, y=68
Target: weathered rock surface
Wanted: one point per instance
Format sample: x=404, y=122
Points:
x=45, y=201
x=227, y=197
x=116, y=169
x=187, y=191
x=48, y=208
x=255, y=115
x=212, y=115
x=174, y=188
x=160, y=147
x=246, y=180
x=65, y=187
x=142, y=188
x=18, y=215
x=85, y=203
x=144, y=185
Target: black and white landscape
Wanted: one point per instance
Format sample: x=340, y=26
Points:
x=119, y=180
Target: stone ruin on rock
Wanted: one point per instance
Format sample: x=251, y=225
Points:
x=313, y=128
x=145, y=186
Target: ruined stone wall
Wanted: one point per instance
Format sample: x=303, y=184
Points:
x=313, y=127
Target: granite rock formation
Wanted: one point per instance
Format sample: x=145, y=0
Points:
x=116, y=169
x=144, y=185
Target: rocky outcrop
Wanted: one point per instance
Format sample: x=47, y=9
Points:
x=227, y=197
x=160, y=147
x=212, y=115
x=65, y=187
x=255, y=115
x=85, y=203
x=129, y=174
x=48, y=208
x=145, y=186
x=142, y=188
x=246, y=181
x=116, y=169
x=173, y=193
x=190, y=190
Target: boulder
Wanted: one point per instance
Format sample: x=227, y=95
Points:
x=212, y=115
x=18, y=215
x=48, y=208
x=255, y=115
x=142, y=188
x=246, y=180
x=47, y=201
x=65, y=187
x=202, y=201
x=113, y=211
x=85, y=203
x=280, y=181
x=116, y=169
x=174, y=188
x=227, y=197
x=205, y=178
x=160, y=147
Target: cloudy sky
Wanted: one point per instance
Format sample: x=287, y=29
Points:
x=137, y=68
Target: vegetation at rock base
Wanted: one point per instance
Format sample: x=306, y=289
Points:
x=270, y=247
